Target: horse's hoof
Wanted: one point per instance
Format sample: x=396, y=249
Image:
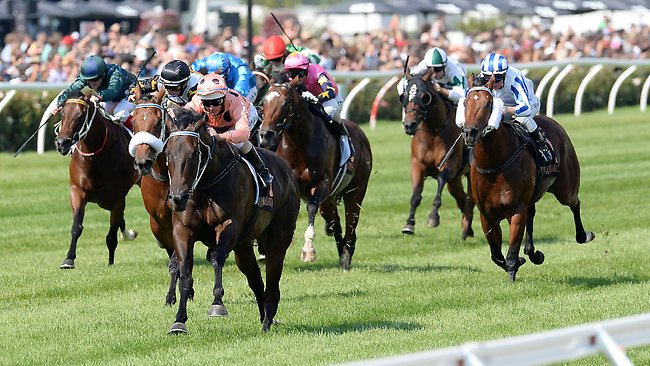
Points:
x=433, y=221
x=345, y=261
x=522, y=261
x=537, y=257
x=170, y=300
x=308, y=255
x=512, y=275
x=178, y=328
x=408, y=229
x=67, y=264
x=589, y=236
x=129, y=234
x=261, y=258
x=217, y=310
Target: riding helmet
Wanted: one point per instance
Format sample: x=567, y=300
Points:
x=212, y=86
x=218, y=62
x=494, y=63
x=274, y=48
x=296, y=60
x=175, y=73
x=93, y=67
x=435, y=57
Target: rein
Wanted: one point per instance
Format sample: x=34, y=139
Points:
x=85, y=127
x=157, y=176
x=202, y=166
x=426, y=111
x=283, y=125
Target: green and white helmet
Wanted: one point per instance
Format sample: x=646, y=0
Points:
x=435, y=57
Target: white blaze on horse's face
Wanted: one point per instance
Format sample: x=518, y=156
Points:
x=270, y=96
x=413, y=92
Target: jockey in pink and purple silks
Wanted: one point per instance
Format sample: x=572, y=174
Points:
x=320, y=84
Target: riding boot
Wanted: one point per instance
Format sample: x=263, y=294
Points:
x=260, y=167
x=540, y=140
x=337, y=126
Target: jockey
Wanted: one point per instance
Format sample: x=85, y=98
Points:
x=520, y=101
x=320, y=84
x=228, y=118
x=275, y=51
x=233, y=69
x=110, y=81
x=448, y=75
x=180, y=83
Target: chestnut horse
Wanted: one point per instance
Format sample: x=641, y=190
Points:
x=506, y=182
x=429, y=118
x=213, y=189
x=315, y=158
x=151, y=124
x=101, y=169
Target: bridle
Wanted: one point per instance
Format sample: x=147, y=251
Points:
x=287, y=120
x=85, y=126
x=488, y=128
x=425, y=105
x=202, y=165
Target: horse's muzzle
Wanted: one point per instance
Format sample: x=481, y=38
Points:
x=470, y=135
x=267, y=138
x=144, y=157
x=63, y=145
x=410, y=127
x=143, y=167
x=179, y=201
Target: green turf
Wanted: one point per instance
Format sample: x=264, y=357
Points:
x=404, y=293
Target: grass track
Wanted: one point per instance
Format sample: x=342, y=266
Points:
x=404, y=293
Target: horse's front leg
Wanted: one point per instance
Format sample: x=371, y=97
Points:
x=582, y=236
x=78, y=204
x=417, y=182
x=492, y=233
x=517, y=228
x=535, y=256
x=183, y=248
x=225, y=241
x=308, y=251
x=434, y=217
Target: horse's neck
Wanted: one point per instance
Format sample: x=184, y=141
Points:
x=303, y=130
x=495, y=147
x=97, y=137
x=439, y=115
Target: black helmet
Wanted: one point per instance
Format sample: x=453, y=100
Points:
x=175, y=73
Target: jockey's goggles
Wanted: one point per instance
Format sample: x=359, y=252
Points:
x=438, y=68
x=213, y=102
x=296, y=73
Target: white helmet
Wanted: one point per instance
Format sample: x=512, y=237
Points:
x=435, y=57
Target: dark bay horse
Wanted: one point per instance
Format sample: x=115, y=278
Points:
x=429, y=118
x=101, y=169
x=213, y=189
x=505, y=180
x=151, y=125
x=314, y=156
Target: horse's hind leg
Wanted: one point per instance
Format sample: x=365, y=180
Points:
x=517, y=228
x=535, y=256
x=434, y=217
x=417, y=181
x=353, y=199
x=581, y=236
x=247, y=264
x=78, y=203
x=330, y=214
x=117, y=222
x=465, y=204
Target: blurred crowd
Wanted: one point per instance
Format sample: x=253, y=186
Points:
x=56, y=57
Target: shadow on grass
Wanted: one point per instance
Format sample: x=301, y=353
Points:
x=381, y=268
x=593, y=282
x=339, y=329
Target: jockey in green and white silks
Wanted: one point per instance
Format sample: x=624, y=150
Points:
x=449, y=78
x=110, y=81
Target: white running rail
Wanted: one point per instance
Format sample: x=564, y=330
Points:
x=607, y=337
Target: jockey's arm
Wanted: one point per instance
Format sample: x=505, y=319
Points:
x=242, y=84
x=115, y=88
x=238, y=109
x=522, y=107
x=77, y=85
x=328, y=92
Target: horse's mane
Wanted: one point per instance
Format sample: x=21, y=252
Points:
x=184, y=117
x=76, y=94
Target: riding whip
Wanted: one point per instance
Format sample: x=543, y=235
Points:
x=451, y=150
x=282, y=29
x=146, y=62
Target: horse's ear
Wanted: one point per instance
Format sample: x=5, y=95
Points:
x=199, y=124
x=470, y=80
x=407, y=73
x=137, y=91
x=427, y=76
x=490, y=83
x=294, y=82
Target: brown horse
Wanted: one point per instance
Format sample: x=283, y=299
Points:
x=314, y=156
x=429, y=118
x=151, y=125
x=506, y=182
x=213, y=189
x=101, y=169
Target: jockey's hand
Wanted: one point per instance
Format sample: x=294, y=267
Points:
x=95, y=99
x=437, y=87
x=212, y=132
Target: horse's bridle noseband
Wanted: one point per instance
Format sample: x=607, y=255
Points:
x=487, y=129
x=422, y=113
x=287, y=120
x=85, y=127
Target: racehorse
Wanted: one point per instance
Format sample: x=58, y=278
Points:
x=429, y=118
x=505, y=179
x=151, y=124
x=213, y=189
x=314, y=156
x=101, y=169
